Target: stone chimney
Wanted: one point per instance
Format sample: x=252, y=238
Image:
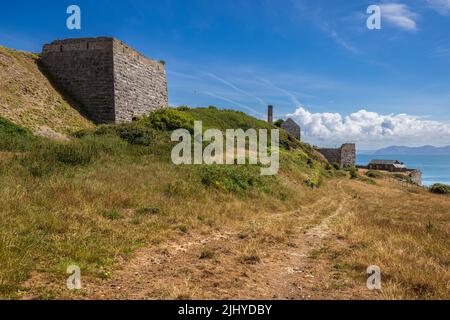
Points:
x=270, y=114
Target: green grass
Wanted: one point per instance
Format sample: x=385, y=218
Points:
x=14, y=137
x=375, y=174
x=113, y=189
x=440, y=188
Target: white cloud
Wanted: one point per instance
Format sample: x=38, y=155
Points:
x=370, y=129
x=441, y=6
x=399, y=15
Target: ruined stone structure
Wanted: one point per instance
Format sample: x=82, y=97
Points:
x=113, y=82
x=292, y=128
x=416, y=176
x=270, y=114
x=345, y=156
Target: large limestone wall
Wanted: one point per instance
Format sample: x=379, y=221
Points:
x=113, y=82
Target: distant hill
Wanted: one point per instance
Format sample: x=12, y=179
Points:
x=28, y=98
x=425, y=150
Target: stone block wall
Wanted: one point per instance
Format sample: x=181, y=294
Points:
x=332, y=155
x=345, y=156
x=348, y=155
x=293, y=128
x=416, y=177
x=140, y=83
x=113, y=82
x=84, y=69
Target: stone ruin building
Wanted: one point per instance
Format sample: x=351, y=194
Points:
x=112, y=82
x=289, y=125
x=293, y=128
x=345, y=156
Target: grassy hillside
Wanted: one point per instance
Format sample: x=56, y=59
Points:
x=110, y=201
x=29, y=99
x=112, y=189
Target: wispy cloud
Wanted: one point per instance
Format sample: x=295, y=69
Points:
x=232, y=86
x=440, y=52
x=317, y=18
x=340, y=41
x=399, y=15
x=250, y=109
x=441, y=6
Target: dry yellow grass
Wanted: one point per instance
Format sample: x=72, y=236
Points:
x=403, y=230
x=28, y=98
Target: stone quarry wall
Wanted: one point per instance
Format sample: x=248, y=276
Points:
x=113, y=82
x=345, y=155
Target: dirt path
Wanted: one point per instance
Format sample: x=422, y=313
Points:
x=185, y=269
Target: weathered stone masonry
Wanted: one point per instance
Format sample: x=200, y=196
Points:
x=112, y=81
x=345, y=156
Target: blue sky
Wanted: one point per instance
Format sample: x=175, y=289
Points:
x=313, y=60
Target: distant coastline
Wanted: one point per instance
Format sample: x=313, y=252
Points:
x=435, y=168
x=402, y=150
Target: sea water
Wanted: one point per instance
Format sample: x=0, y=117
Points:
x=435, y=168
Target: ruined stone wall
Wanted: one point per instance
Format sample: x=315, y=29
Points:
x=291, y=127
x=332, y=155
x=140, y=83
x=416, y=177
x=113, y=82
x=84, y=68
x=348, y=155
x=345, y=156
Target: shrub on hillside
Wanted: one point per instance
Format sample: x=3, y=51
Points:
x=440, y=188
x=336, y=166
x=374, y=174
x=279, y=123
x=183, y=108
x=353, y=173
x=133, y=133
x=168, y=119
x=235, y=179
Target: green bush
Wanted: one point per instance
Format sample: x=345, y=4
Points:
x=279, y=123
x=314, y=181
x=168, y=119
x=183, y=108
x=374, y=174
x=336, y=166
x=353, y=173
x=235, y=179
x=135, y=133
x=440, y=188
